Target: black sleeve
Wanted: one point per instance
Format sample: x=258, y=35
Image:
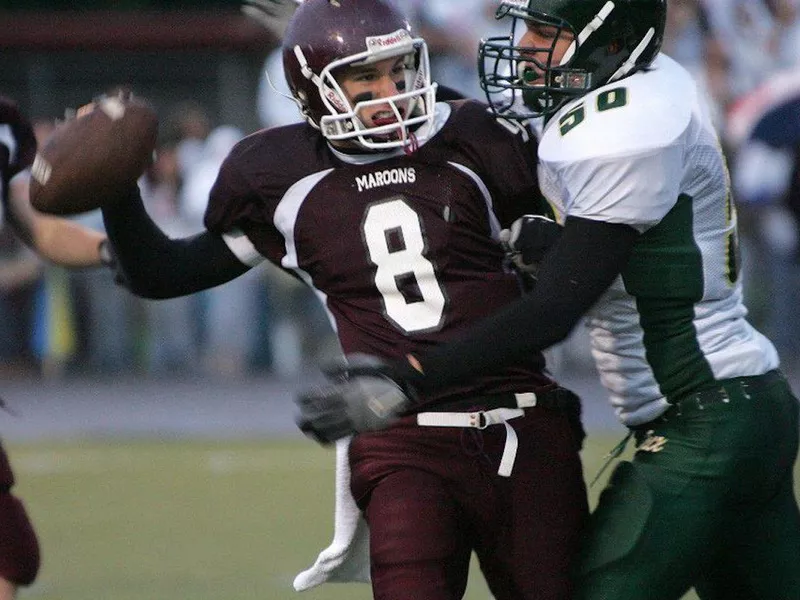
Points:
x=156, y=266
x=575, y=273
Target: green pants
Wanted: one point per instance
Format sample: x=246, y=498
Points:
x=707, y=502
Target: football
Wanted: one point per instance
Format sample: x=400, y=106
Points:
x=94, y=157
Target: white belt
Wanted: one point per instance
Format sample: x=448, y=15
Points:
x=481, y=420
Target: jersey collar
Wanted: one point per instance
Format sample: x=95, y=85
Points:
x=441, y=114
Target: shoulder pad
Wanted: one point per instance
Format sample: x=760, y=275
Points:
x=472, y=115
x=645, y=111
x=520, y=128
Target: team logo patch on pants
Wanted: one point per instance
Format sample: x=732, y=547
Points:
x=652, y=443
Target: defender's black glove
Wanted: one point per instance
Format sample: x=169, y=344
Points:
x=366, y=394
x=526, y=242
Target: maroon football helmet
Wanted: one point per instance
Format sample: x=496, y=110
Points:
x=325, y=35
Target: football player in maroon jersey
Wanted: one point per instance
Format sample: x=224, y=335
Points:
x=64, y=243
x=389, y=205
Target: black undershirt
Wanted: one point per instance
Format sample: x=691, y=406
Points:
x=574, y=274
x=156, y=266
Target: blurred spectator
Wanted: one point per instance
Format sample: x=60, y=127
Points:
x=764, y=126
x=107, y=318
x=230, y=309
x=731, y=22
x=293, y=327
x=20, y=276
x=21, y=281
x=735, y=49
x=753, y=39
x=174, y=327
x=274, y=102
x=54, y=337
x=452, y=29
x=688, y=40
x=786, y=37
x=188, y=124
x=686, y=33
x=56, y=334
x=198, y=179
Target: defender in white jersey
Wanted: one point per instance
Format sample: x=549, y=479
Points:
x=642, y=152
x=632, y=166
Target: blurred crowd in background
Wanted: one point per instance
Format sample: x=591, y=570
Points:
x=745, y=54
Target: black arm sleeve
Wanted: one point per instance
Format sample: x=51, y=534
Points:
x=574, y=274
x=156, y=266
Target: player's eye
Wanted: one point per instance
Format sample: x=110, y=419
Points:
x=545, y=32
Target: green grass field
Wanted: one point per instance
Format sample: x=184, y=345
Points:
x=162, y=520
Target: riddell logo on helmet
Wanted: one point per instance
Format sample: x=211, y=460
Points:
x=334, y=99
x=382, y=42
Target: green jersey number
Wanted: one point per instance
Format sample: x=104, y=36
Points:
x=606, y=100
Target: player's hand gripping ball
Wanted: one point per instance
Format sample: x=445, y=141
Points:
x=94, y=157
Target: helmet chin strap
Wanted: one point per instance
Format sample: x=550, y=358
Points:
x=412, y=145
x=304, y=68
x=630, y=64
x=593, y=26
x=308, y=74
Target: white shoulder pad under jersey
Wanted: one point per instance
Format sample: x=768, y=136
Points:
x=617, y=154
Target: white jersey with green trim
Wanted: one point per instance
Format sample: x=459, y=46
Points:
x=642, y=151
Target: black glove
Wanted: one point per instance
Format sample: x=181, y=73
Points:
x=527, y=241
x=366, y=394
x=273, y=15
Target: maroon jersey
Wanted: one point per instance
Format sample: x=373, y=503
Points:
x=402, y=249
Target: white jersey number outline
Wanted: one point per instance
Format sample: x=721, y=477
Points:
x=396, y=217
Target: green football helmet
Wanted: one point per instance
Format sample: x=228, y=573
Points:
x=613, y=39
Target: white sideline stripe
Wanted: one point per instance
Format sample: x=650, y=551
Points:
x=101, y=461
x=226, y=462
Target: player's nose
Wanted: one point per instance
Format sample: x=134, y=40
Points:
x=388, y=86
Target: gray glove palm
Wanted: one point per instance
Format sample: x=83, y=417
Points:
x=363, y=395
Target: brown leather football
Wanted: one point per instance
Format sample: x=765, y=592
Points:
x=95, y=157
